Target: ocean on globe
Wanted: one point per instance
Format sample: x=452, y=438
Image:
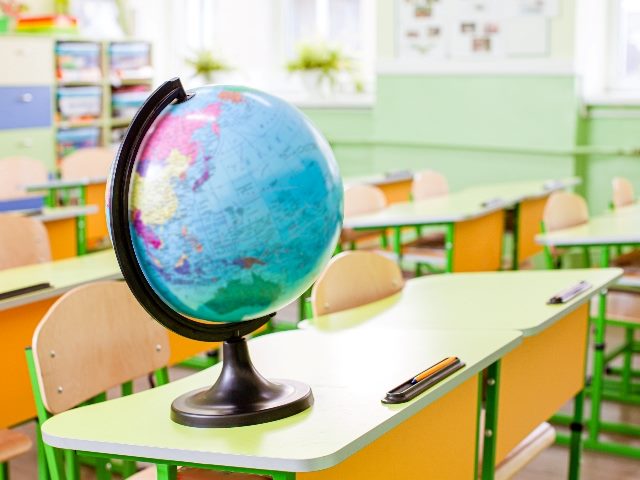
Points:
x=235, y=204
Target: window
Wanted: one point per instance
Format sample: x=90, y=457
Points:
x=625, y=51
x=256, y=38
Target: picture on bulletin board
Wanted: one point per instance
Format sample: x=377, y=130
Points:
x=422, y=28
x=473, y=29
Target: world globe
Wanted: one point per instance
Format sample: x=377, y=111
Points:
x=235, y=204
x=224, y=205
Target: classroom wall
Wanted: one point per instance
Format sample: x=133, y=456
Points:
x=462, y=119
x=611, y=128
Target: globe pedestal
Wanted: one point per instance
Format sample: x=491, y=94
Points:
x=240, y=396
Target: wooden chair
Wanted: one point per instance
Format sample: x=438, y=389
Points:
x=427, y=249
x=428, y=184
x=361, y=200
x=563, y=210
x=622, y=192
x=23, y=241
x=92, y=339
x=355, y=278
x=16, y=172
x=91, y=163
x=87, y=163
x=12, y=445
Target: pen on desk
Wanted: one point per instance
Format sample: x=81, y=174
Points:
x=571, y=292
x=492, y=202
x=434, y=369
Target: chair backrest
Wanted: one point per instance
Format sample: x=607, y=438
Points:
x=93, y=338
x=17, y=172
x=622, y=192
x=361, y=199
x=23, y=241
x=87, y=163
x=355, y=278
x=429, y=184
x=564, y=210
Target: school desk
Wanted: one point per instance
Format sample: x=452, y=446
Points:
x=347, y=434
x=603, y=231
x=19, y=316
x=474, y=219
x=92, y=192
x=527, y=200
x=533, y=381
x=396, y=186
x=66, y=227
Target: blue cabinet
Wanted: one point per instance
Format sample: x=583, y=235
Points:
x=25, y=107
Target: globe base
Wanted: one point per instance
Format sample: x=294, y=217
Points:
x=240, y=396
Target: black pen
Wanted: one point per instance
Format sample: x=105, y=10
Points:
x=571, y=292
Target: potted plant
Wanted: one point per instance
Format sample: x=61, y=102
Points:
x=319, y=65
x=206, y=65
x=10, y=9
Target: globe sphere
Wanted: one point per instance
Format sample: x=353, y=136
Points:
x=235, y=204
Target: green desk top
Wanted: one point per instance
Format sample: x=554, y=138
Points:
x=51, y=214
x=459, y=206
x=55, y=184
x=348, y=377
x=612, y=228
x=475, y=301
x=63, y=275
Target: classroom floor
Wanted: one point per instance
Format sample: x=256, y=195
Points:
x=551, y=464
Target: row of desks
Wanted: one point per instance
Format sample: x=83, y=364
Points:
x=500, y=322
x=475, y=221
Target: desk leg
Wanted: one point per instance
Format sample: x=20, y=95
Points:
x=575, y=452
x=491, y=421
x=166, y=472
x=598, y=357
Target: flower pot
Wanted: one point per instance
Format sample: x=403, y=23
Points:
x=314, y=83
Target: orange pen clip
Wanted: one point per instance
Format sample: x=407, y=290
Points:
x=434, y=369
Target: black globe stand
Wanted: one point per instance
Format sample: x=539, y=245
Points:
x=241, y=396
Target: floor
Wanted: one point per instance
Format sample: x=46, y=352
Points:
x=551, y=464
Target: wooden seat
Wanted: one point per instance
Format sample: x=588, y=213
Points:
x=197, y=474
x=361, y=200
x=563, y=210
x=355, y=278
x=535, y=443
x=623, y=194
x=23, y=241
x=16, y=173
x=530, y=447
x=428, y=248
x=93, y=338
x=13, y=444
x=87, y=163
x=428, y=184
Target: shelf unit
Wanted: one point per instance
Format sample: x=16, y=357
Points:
x=29, y=90
x=106, y=123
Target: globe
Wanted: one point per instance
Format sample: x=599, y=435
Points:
x=235, y=204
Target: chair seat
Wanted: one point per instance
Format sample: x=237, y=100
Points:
x=533, y=444
x=629, y=262
x=542, y=437
x=350, y=235
x=197, y=474
x=12, y=444
x=623, y=306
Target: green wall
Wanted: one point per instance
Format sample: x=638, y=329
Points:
x=474, y=129
x=611, y=128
